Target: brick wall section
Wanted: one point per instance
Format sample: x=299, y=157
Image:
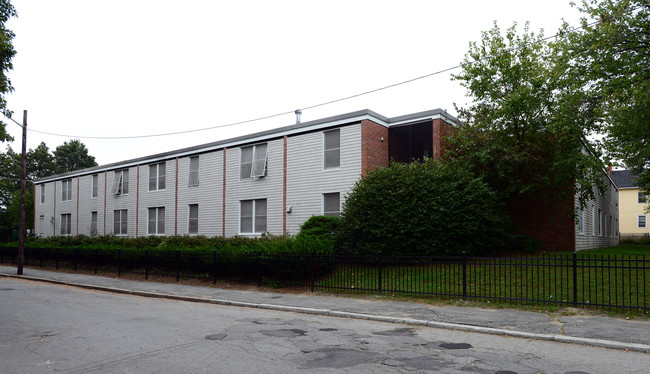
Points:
x=374, y=152
x=440, y=130
x=551, y=222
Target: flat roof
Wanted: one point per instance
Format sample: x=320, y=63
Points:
x=297, y=128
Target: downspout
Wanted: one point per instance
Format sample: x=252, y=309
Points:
x=137, y=200
x=284, y=189
x=78, y=204
x=176, y=202
x=105, y=184
x=223, y=202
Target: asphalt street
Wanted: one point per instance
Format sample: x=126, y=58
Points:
x=48, y=327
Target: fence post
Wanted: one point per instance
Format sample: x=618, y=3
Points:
x=178, y=265
x=464, y=276
x=379, y=272
x=575, y=279
x=313, y=263
x=119, y=262
x=146, y=263
x=259, y=268
x=95, y=260
x=214, y=266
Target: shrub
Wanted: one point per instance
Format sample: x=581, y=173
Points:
x=422, y=208
x=321, y=227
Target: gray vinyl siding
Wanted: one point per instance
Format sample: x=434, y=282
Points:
x=88, y=204
x=207, y=194
x=46, y=227
x=608, y=205
x=66, y=207
x=155, y=199
x=268, y=187
x=307, y=180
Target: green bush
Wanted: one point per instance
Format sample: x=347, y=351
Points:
x=320, y=227
x=422, y=208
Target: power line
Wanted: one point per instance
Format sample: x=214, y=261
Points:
x=283, y=113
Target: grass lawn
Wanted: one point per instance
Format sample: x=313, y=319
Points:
x=622, y=249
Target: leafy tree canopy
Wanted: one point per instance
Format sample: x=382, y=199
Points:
x=7, y=53
x=521, y=132
x=72, y=155
x=610, y=56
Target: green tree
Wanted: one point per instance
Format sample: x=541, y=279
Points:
x=72, y=155
x=516, y=134
x=610, y=56
x=7, y=53
x=429, y=208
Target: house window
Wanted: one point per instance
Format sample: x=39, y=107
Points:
x=66, y=223
x=157, y=173
x=332, y=149
x=332, y=204
x=252, y=216
x=253, y=161
x=156, y=221
x=194, y=171
x=600, y=223
x=120, y=223
x=193, y=219
x=94, y=187
x=66, y=190
x=641, y=198
x=93, y=223
x=41, y=226
x=581, y=220
x=611, y=228
x=121, y=182
x=593, y=220
x=42, y=194
x=642, y=222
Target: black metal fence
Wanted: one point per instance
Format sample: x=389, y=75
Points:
x=570, y=279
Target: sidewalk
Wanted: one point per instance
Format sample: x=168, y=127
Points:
x=588, y=330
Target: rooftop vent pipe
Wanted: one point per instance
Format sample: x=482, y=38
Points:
x=298, y=113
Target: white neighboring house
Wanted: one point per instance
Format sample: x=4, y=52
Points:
x=270, y=181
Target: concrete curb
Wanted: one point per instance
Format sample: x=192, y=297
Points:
x=371, y=317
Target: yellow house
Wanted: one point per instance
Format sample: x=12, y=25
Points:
x=633, y=206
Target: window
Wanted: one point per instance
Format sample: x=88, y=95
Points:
x=93, y=223
x=66, y=222
x=157, y=173
x=642, y=221
x=94, y=188
x=253, y=161
x=332, y=204
x=252, y=216
x=121, y=182
x=41, y=226
x=42, y=194
x=332, y=149
x=600, y=223
x=611, y=228
x=156, y=221
x=120, y=224
x=66, y=190
x=194, y=171
x=593, y=220
x=581, y=220
x=193, y=219
x=641, y=198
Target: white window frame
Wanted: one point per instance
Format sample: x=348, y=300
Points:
x=193, y=179
x=158, y=177
x=593, y=220
x=255, y=216
x=94, y=186
x=334, y=213
x=157, y=216
x=600, y=222
x=191, y=219
x=331, y=150
x=121, y=182
x=66, y=190
x=645, y=221
x=122, y=223
x=42, y=194
x=66, y=224
x=641, y=198
x=93, y=223
x=257, y=163
x=581, y=220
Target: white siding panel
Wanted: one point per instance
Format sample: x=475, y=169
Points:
x=124, y=201
x=46, y=210
x=306, y=179
x=66, y=207
x=88, y=204
x=608, y=206
x=154, y=199
x=268, y=187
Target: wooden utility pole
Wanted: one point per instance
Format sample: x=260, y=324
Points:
x=21, y=217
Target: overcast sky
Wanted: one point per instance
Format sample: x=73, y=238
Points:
x=96, y=68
